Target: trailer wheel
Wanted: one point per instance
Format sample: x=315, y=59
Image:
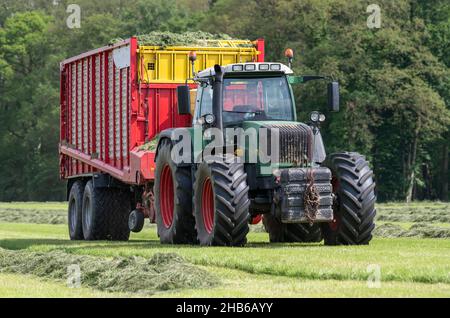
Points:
x=95, y=208
x=354, y=206
x=75, y=211
x=221, y=203
x=173, y=199
x=290, y=233
x=119, y=215
x=105, y=214
x=136, y=221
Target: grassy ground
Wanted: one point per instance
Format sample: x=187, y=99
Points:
x=409, y=266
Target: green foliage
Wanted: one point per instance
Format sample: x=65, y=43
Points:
x=395, y=81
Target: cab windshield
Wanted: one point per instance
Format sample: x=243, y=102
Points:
x=267, y=98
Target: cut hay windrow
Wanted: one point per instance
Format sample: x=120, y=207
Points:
x=423, y=212
x=37, y=216
x=421, y=230
x=161, y=272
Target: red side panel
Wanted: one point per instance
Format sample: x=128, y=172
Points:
x=261, y=49
x=95, y=109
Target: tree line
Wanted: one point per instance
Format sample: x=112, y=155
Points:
x=395, y=79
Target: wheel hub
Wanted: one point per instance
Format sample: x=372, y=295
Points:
x=167, y=196
x=208, y=205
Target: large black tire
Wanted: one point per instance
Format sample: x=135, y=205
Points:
x=221, y=203
x=120, y=212
x=105, y=213
x=354, y=207
x=75, y=211
x=291, y=232
x=173, y=199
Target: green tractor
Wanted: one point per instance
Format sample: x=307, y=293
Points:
x=304, y=196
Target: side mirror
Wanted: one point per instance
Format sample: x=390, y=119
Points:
x=184, y=100
x=333, y=96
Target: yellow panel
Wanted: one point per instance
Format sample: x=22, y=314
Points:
x=200, y=62
x=212, y=59
x=228, y=59
x=165, y=67
x=172, y=65
x=181, y=67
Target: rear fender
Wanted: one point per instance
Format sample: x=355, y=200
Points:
x=170, y=134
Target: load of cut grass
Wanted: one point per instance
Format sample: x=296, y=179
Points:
x=151, y=145
x=196, y=38
x=161, y=272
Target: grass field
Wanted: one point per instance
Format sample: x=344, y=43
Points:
x=414, y=264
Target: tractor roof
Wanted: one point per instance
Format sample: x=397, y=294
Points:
x=243, y=68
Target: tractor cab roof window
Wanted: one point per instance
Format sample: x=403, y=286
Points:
x=265, y=98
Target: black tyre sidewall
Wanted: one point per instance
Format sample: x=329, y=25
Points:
x=182, y=229
x=136, y=221
x=88, y=231
x=333, y=237
x=76, y=200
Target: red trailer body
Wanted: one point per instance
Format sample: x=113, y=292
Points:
x=109, y=108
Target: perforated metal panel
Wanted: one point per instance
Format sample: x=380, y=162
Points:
x=97, y=104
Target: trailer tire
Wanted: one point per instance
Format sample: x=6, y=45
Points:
x=292, y=232
x=75, y=210
x=354, y=207
x=221, y=203
x=96, y=204
x=119, y=214
x=173, y=199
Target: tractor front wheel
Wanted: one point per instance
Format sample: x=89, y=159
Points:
x=354, y=204
x=221, y=203
x=173, y=199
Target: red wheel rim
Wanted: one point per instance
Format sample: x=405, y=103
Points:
x=166, y=190
x=334, y=225
x=208, y=205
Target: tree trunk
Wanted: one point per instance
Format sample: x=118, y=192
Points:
x=412, y=164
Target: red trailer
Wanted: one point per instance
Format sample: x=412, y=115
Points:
x=114, y=100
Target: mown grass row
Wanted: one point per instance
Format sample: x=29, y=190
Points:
x=400, y=259
x=427, y=218
x=161, y=272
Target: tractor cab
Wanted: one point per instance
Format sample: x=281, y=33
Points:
x=250, y=92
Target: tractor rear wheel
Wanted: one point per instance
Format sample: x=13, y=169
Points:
x=290, y=232
x=173, y=199
x=221, y=203
x=354, y=206
x=75, y=211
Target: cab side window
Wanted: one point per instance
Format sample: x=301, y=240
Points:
x=206, y=101
x=203, y=102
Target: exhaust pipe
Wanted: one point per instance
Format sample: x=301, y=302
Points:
x=218, y=96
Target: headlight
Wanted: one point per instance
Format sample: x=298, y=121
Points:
x=264, y=67
x=314, y=116
x=275, y=67
x=322, y=118
x=250, y=67
x=210, y=119
x=238, y=68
